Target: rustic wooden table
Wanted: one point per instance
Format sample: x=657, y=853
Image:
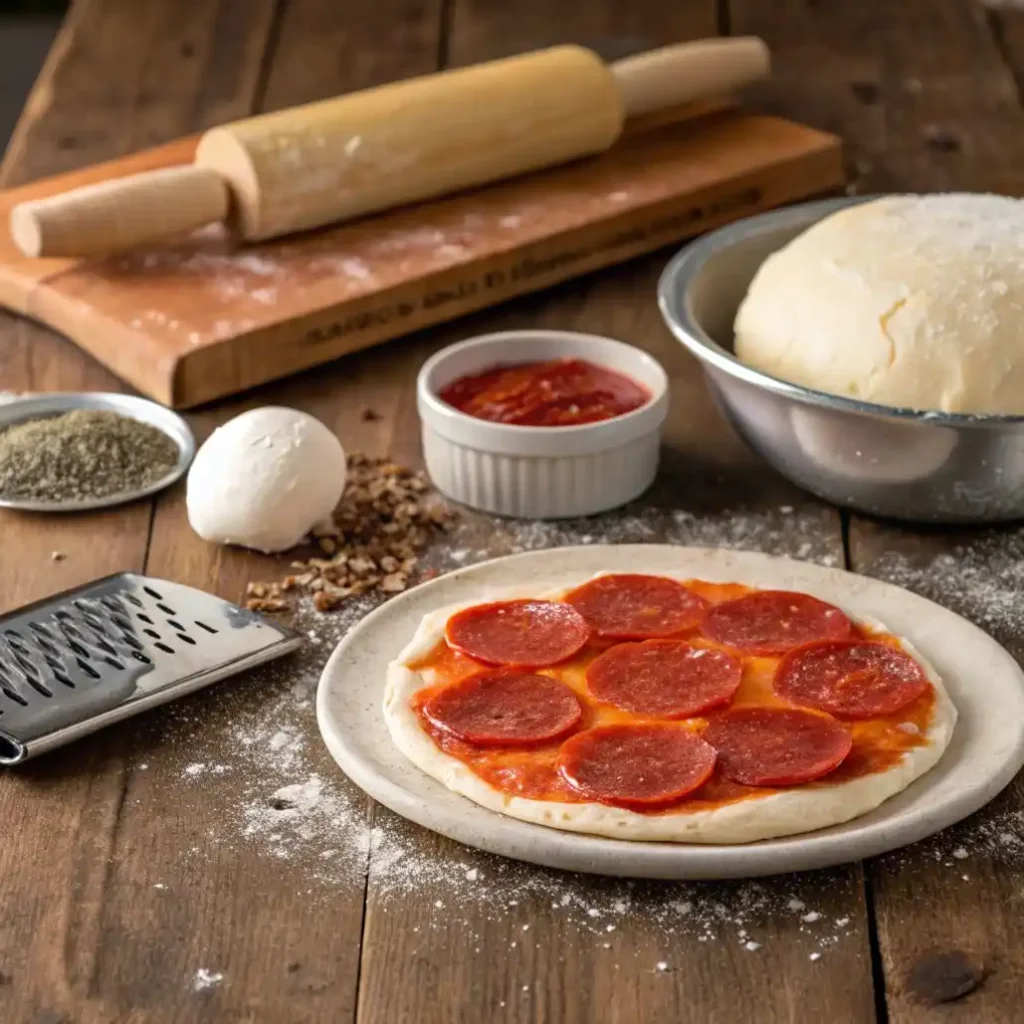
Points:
x=150, y=873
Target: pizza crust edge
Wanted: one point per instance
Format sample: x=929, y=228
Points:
x=791, y=812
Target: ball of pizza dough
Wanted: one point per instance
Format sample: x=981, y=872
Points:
x=912, y=301
x=265, y=479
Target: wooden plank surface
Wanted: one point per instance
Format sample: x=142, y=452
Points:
x=208, y=862
x=925, y=103
x=293, y=956
x=512, y=943
x=77, y=942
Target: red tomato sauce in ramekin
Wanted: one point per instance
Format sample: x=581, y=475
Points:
x=555, y=393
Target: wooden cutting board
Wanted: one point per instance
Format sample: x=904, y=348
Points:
x=191, y=322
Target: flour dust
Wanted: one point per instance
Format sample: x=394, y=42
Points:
x=289, y=802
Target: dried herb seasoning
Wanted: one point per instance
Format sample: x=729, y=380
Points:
x=81, y=456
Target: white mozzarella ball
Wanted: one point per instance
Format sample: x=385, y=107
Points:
x=265, y=479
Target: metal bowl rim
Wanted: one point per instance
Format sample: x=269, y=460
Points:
x=56, y=402
x=688, y=262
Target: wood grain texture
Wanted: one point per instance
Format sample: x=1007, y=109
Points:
x=924, y=102
x=1007, y=26
x=123, y=76
x=514, y=957
x=83, y=939
x=917, y=89
x=293, y=955
x=482, y=30
x=947, y=922
x=927, y=101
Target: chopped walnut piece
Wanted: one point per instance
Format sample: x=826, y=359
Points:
x=393, y=583
x=386, y=517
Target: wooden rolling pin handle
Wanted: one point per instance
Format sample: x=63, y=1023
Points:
x=115, y=215
x=679, y=74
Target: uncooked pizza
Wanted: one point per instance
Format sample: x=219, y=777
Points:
x=650, y=708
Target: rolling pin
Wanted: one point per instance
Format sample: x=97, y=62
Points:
x=336, y=159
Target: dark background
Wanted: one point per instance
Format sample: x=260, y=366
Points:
x=27, y=30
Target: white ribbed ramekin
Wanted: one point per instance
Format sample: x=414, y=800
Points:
x=540, y=472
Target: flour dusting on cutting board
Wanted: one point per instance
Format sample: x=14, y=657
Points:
x=289, y=801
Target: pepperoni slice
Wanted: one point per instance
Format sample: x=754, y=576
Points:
x=775, y=621
x=777, y=746
x=669, y=678
x=528, y=634
x=629, y=606
x=636, y=766
x=505, y=708
x=861, y=679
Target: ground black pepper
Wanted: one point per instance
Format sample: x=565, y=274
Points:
x=82, y=455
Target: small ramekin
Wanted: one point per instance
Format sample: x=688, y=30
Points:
x=540, y=472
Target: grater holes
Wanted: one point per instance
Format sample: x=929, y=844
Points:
x=100, y=641
x=164, y=647
x=13, y=695
x=125, y=625
x=82, y=652
x=90, y=618
x=166, y=609
x=153, y=633
x=114, y=663
x=112, y=605
x=176, y=625
x=15, y=641
x=26, y=666
x=57, y=668
x=132, y=641
x=144, y=618
x=153, y=593
x=33, y=679
x=139, y=656
x=87, y=668
x=40, y=630
x=69, y=628
x=186, y=638
x=96, y=625
x=203, y=625
x=134, y=600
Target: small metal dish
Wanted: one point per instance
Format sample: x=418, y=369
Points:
x=18, y=410
x=895, y=463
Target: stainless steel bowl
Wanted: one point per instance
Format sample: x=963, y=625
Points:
x=896, y=463
x=30, y=407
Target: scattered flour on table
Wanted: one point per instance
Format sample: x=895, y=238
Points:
x=982, y=579
x=796, y=533
x=285, y=798
x=206, y=979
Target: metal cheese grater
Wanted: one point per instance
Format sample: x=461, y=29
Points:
x=93, y=655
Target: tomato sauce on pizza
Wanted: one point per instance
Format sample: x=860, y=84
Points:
x=660, y=696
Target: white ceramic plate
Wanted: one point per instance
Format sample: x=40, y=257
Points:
x=983, y=680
